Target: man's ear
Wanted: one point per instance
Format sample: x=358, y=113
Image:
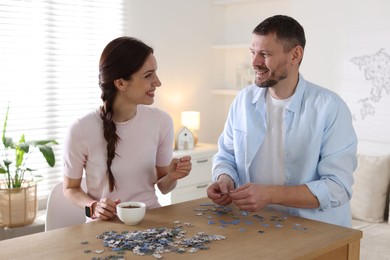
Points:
x=119, y=84
x=297, y=54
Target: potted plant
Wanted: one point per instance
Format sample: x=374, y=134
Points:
x=18, y=194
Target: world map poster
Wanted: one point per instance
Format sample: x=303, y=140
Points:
x=366, y=82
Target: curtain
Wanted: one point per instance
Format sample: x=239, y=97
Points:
x=49, y=55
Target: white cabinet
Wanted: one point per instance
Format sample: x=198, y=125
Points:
x=195, y=184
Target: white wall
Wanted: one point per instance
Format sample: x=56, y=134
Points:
x=183, y=31
x=327, y=24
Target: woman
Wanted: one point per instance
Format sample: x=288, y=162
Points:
x=125, y=147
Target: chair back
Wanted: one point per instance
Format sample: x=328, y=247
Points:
x=60, y=212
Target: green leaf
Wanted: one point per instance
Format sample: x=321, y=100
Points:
x=48, y=153
x=19, y=156
x=5, y=127
x=20, y=149
x=7, y=163
x=38, y=178
x=43, y=142
x=7, y=142
x=23, y=145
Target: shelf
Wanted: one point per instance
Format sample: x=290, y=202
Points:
x=37, y=226
x=225, y=91
x=242, y=46
x=229, y=2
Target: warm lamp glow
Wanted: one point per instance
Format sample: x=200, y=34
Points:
x=190, y=119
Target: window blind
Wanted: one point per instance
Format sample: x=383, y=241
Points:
x=49, y=55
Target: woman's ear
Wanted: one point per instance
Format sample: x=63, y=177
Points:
x=119, y=84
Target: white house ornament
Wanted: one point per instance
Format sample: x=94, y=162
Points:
x=185, y=139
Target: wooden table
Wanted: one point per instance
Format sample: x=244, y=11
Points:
x=276, y=237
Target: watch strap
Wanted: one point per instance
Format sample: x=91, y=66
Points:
x=89, y=209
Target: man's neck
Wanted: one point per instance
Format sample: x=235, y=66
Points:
x=284, y=88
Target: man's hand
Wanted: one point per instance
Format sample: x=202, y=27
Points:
x=251, y=197
x=219, y=191
x=254, y=197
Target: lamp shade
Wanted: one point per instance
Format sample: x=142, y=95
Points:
x=190, y=119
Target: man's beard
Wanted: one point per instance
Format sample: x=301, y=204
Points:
x=279, y=74
x=266, y=84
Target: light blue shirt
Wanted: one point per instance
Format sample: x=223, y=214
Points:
x=320, y=146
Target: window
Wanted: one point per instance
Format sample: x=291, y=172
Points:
x=49, y=55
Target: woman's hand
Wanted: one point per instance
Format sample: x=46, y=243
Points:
x=105, y=209
x=179, y=167
x=168, y=175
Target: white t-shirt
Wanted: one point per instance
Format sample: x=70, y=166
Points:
x=146, y=141
x=268, y=165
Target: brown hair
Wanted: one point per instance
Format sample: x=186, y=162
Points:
x=120, y=59
x=287, y=30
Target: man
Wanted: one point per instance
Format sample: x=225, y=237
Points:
x=288, y=144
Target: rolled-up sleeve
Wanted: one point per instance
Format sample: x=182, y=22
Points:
x=337, y=158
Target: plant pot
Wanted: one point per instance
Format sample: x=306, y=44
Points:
x=18, y=206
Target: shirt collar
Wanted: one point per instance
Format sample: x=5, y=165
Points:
x=295, y=103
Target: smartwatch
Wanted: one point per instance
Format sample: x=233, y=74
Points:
x=89, y=210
